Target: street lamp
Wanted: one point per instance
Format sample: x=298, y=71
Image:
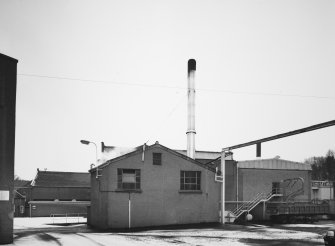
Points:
x=84, y=142
x=96, y=148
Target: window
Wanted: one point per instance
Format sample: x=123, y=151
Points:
x=190, y=180
x=157, y=158
x=129, y=179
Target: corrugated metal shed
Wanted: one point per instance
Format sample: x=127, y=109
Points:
x=274, y=164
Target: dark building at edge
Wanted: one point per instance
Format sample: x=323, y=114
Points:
x=8, y=72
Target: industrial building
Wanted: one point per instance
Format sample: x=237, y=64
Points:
x=264, y=181
x=52, y=192
x=22, y=192
x=323, y=190
x=152, y=186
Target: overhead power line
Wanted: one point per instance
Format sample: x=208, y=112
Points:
x=103, y=81
x=178, y=87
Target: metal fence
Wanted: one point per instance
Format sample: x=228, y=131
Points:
x=69, y=218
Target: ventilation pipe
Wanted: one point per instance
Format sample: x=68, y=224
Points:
x=191, y=67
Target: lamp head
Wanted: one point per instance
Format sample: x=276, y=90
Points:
x=85, y=142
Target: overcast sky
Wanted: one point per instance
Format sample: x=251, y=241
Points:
x=116, y=71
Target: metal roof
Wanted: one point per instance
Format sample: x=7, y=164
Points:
x=208, y=155
x=274, y=163
x=61, y=179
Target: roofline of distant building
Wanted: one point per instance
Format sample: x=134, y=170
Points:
x=38, y=170
x=140, y=149
x=10, y=58
x=58, y=186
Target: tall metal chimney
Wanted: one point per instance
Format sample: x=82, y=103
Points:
x=191, y=67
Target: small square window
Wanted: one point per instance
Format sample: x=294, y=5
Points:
x=157, y=158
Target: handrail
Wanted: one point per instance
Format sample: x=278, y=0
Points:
x=260, y=197
x=245, y=206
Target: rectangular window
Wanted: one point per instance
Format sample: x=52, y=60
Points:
x=190, y=180
x=157, y=158
x=129, y=179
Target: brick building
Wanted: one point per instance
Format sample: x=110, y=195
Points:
x=146, y=187
x=151, y=186
x=58, y=193
x=22, y=194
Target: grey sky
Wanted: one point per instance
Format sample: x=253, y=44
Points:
x=263, y=68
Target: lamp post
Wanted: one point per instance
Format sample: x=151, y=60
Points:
x=96, y=148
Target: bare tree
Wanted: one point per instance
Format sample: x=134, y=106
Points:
x=323, y=167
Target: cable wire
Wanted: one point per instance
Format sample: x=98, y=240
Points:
x=179, y=87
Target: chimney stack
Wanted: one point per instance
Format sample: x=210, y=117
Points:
x=191, y=67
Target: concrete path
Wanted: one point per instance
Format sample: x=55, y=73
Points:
x=41, y=231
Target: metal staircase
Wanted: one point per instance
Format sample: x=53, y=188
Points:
x=248, y=206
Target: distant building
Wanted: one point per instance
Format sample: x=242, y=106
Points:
x=322, y=190
x=22, y=194
x=59, y=193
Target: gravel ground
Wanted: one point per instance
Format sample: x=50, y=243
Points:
x=41, y=231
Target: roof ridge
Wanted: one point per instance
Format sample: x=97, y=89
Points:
x=279, y=159
x=141, y=147
x=208, y=151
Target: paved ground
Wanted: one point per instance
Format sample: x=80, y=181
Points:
x=41, y=231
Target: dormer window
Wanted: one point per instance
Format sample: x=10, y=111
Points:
x=157, y=158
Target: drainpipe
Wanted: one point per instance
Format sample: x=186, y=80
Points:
x=129, y=211
x=143, y=149
x=237, y=184
x=223, y=172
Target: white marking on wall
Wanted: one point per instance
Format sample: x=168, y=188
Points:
x=4, y=195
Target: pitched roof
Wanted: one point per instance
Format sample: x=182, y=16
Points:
x=115, y=151
x=19, y=183
x=61, y=179
x=5, y=57
x=140, y=149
